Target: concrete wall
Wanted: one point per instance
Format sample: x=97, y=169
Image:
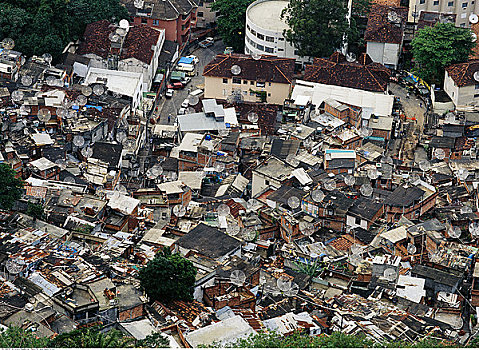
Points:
x=461, y=96
x=276, y=93
x=384, y=53
x=205, y=16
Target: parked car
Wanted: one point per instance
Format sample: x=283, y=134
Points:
x=207, y=43
x=169, y=93
x=185, y=80
x=195, y=59
x=185, y=103
x=196, y=92
x=175, y=86
x=182, y=110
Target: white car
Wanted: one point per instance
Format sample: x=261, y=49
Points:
x=182, y=110
x=169, y=93
x=195, y=59
x=185, y=103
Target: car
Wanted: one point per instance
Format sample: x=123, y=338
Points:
x=169, y=93
x=185, y=103
x=195, y=59
x=182, y=110
x=196, y=92
x=207, y=43
x=185, y=80
x=175, y=86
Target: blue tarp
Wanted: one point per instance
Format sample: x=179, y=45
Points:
x=186, y=60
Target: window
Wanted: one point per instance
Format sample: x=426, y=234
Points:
x=280, y=39
x=225, y=81
x=266, y=182
x=200, y=14
x=260, y=47
x=270, y=39
x=245, y=81
x=258, y=84
x=183, y=17
x=269, y=84
x=280, y=50
x=450, y=3
x=200, y=3
x=296, y=52
x=253, y=32
x=477, y=86
x=357, y=221
x=260, y=36
x=435, y=3
x=464, y=5
x=236, y=80
x=476, y=95
x=245, y=92
x=156, y=22
x=252, y=93
x=268, y=49
x=252, y=82
x=269, y=94
x=422, y=1
x=247, y=27
x=144, y=21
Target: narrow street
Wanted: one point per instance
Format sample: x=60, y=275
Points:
x=412, y=105
x=171, y=105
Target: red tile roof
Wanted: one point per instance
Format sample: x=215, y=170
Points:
x=463, y=73
x=268, y=68
x=363, y=74
x=380, y=29
x=138, y=42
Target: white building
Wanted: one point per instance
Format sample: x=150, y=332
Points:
x=264, y=30
x=123, y=83
x=460, y=85
x=462, y=9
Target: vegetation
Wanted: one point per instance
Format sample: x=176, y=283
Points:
x=91, y=338
x=11, y=188
x=316, y=27
x=168, y=277
x=231, y=21
x=155, y=340
x=16, y=337
x=434, y=48
x=35, y=210
x=335, y=340
x=41, y=26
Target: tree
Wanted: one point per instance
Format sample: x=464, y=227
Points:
x=16, y=337
x=11, y=188
x=91, y=337
x=168, y=277
x=35, y=210
x=316, y=27
x=231, y=21
x=40, y=26
x=434, y=48
x=155, y=340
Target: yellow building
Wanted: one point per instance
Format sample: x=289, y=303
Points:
x=266, y=79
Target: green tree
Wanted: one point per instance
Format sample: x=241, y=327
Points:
x=155, y=340
x=40, y=26
x=11, y=188
x=434, y=48
x=168, y=277
x=35, y=210
x=231, y=21
x=16, y=337
x=91, y=337
x=316, y=27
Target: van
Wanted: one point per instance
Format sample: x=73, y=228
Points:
x=196, y=92
x=188, y=69
x=185, y=67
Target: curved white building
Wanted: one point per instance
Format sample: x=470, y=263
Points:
x=264, y=30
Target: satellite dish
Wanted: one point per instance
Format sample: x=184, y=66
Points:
x=193, y=100
x=121, y=32
x=393, y=17
x=390, y=274
x=66, y=102
x=87, y=152
x=293, y=202
x=114, y=38
x=373, y=174
x=284, y=284
x=356, y=249
x=179, y=210
x=351, y=57
x=98, y=89
x=70, y=179
x=44, y=115
x=474, y=228
x=235, y=69
x=50, y=80
x=366, y=190
x=249, y=234
x=306, y=228
x=78, y=141
x=439, y=152
x=8, y=43
x=124, y=24
x=293, y=291
x=253, y=117
x=223, y=210
x=138, y=4
x=317, y=195
x=473, y=18
x=17, y=95
x=27, y=80
x=233, y=229
x=424, y=165
x=476, y=76
x=454, y=232
x=411, y=249
x=256, y=56
x=237, y=277
x=329, y=184
x=81, y=100
x=355, y=259
x=14, y=266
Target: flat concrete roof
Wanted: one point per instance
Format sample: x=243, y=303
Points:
x=267, y=15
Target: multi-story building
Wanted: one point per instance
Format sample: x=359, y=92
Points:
x=267, y=79
x=463, y=9
x=264, y=30
x=176, y=17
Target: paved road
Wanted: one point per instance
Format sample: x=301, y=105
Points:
x=412, y=105
x=171, y=106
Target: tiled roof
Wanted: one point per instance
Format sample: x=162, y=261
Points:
x=95, y=39
x=463, y=73
x=138, y=43
x=380, y=29
x=268, y=68
x=162, y=9
x=363, y=74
